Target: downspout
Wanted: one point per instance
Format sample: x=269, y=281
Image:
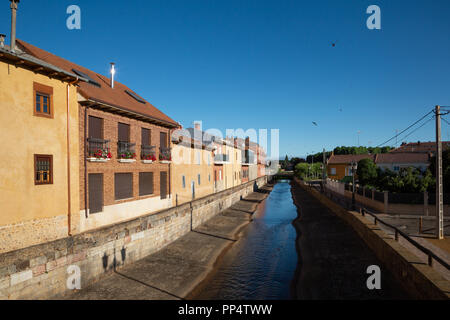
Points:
x=170, y=164
x=69, y=204
x=85, y=163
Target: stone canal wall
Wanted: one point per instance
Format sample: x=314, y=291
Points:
x=417, y=278
x=41, y=271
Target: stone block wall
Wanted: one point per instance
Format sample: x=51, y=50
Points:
x=41, y=271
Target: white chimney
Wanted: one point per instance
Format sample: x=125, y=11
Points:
x=113, y=72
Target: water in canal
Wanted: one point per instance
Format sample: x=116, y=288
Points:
x=262, y=263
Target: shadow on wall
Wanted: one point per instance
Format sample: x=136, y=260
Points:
x=105, y=258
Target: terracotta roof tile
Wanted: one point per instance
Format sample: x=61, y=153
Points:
x=105, y=94
x=407, y=157
x=348, y=158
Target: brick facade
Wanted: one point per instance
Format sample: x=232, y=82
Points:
x=110, y=132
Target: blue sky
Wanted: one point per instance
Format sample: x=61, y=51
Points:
x=264, y=64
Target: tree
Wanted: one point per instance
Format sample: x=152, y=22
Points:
x=301, y=170
x=367, y=172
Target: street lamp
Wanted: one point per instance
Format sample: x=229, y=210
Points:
x=354, y=166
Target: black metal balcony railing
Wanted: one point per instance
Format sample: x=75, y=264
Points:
x=221, y=158
x=148, y=152
x=125, y=150
x=97, y=148
x=165, y=154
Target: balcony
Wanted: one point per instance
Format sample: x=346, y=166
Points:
x=165, y=155
x=221, y=158
x=125, y=151
x=97, y=150
x=148, y=153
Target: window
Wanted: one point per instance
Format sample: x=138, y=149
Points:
x=145, y=183
x=146, y=137
x=220, y=175
x=123, y=185
x=198, y=177
x=95, y=192
x=209, y=177
x=42, y=100
x=396, y=168
x=163, y=184
x=183, y=181
x=333, y=171
x=43, y=169
x=124, y=132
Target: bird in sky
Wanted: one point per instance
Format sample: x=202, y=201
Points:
x=340, y=109
x=314, y=123
x=333, y=44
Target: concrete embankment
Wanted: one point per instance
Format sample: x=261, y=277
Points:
x=42, y=271
x=174, y=272
x=416, y=278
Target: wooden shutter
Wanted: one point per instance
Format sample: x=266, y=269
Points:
x=163, y=184
x=145, y=137
x=163, y=140
x=95, y=127
x=145, y=183
x=124, y=132
x=95, y=192
x=123, y=185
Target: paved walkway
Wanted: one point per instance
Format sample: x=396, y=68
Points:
x=409, y=224
x=173, y=272
x=333, y=259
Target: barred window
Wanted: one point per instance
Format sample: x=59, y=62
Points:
x=43, y=167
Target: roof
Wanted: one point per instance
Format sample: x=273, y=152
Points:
x=397, y=157
x=424, y=147
x=348, y=158
x=26, y=61
x=116, y=98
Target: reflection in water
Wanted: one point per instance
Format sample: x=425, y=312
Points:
x=262, y=263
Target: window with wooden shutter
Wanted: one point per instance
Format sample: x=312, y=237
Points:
x=43, y=169
x=95, y=127
x=145, y=183
x=163, y=184
x=145, y=137
x=124, y=132
x=163, y=140
x=95, y=193
x=123, y=185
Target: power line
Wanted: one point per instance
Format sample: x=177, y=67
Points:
x=446, y=121
x=398, y=134
x=423, y=124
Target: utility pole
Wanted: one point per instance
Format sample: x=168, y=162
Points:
x=439, y=191
x=323, y=170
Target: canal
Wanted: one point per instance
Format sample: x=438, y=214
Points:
x=261, y=265
x=320, y=258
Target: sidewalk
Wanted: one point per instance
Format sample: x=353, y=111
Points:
x=176, y=270
x=409, y=224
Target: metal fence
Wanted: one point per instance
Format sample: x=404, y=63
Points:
x=405, y=198
x=397, y=233
x=148, y=151
x=124, y=147
x=97, y=147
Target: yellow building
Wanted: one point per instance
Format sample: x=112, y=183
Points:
x=39, y=176
x=192, y=168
